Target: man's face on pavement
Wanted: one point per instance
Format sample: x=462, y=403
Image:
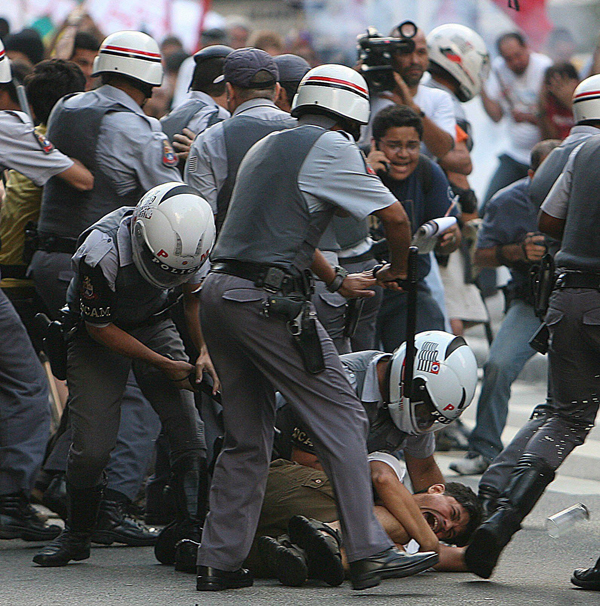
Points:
x=446, y=517
x=412, y=66
x=402, y=146
x=515, y=55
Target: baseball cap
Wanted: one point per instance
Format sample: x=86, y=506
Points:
x=249, y=68
x=292, y=68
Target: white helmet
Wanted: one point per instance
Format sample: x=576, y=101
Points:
x=444, y=381
x=132, y=54
x=462, y=53
x=5, y=73
x=586, y=100
x=173, y=231
x=335, y=89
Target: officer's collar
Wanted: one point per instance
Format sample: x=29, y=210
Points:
x=252, y=103
x=321, y=120
x=122, y=97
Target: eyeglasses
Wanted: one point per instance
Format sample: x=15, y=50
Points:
x=412, y=147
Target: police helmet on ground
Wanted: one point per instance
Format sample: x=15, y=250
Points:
x=172, y=231
x=462, y=54
x=333, y=89
x=586, y=100
x=444, y=381
x=5, y=74
x=132, y=54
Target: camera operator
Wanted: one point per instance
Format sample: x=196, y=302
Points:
x=408, y=63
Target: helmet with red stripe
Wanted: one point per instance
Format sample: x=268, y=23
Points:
x=132, y=54
x=333, y=89
x=462, y=54
x=586, y=100
x=5, y=73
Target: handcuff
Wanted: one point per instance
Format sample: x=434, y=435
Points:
x=402, y=283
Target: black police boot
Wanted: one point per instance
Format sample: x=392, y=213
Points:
x=391, y=563
x=20, y=520
x=55, y=495
x=488, y=499
x=322, y=545
x=587, y=578
x=115, y=526
x=189, y=485
x=527, y=483
x=74, y=542
x=284, y=560
x=213, y=579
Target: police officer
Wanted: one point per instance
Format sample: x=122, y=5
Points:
x=251, y=80
x=205, y=102
x=126, y=265
x=24, y=404
x=262, y=334
x=129, y=154
x=292, y=69
x=570, y=213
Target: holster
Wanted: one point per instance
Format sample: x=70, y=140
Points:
x=31, y=242
x=308, y=342
x=542, y=279
x=540, y=339
x=353, y=312
x=55, y=340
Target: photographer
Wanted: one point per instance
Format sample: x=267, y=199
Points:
x=404, y=88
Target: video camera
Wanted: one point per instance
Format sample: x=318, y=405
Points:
x=375, y=53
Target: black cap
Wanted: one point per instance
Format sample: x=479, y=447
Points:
x=292, y=68
x=250, y=68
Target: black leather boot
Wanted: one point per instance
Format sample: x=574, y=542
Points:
x=284, y=560
x=488, y=498
x=527, y=483
x=115, y=526
x=189, y=485
x=19, y=520
x=55, y=496
x=74, y=542
x=587, y=578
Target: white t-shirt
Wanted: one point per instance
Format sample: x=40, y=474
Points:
x=520, y=93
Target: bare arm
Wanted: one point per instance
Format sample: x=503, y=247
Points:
x=551, y=225
x=457, y=160
x=353, y=286
x=423, y=472
x=400, y=503
x=397, y=231
x=78, y=176
x=492, y=108
x=191, y=307
x=530, y=250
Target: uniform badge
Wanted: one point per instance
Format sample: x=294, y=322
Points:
x=169, y=157
x=87, y=289
x=368, y=168
x=43, y=142
x=428, y=358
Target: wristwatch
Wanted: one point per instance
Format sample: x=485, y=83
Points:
x=336, y=283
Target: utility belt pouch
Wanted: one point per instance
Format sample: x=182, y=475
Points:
x=540, y=339
x=308, y=342
x=543, y=279
x=31, y=242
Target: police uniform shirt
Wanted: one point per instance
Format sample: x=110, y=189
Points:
x=206, y=167
x=97, y=261
x=132, y=148
x=28, y=152
x=212, y=112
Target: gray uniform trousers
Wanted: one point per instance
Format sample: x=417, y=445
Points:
x=331, y=311
x=24, y=405
x=573, y=319
x=97, y=380
x=52, y=273
x=254, y=356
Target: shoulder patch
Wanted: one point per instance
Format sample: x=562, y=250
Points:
x=368, y=168
x=43, y=142
x=169, y=157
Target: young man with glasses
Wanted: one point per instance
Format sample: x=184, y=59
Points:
x=425, y=193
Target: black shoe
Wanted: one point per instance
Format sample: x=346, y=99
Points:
x=186, y=553
x=68, y=546
x=171, y=535
x=388, y=564
x=55, y=496
x=488, y=498
x=114, y=526
x=322, y=545
x=284, y=560
x=587, y=578
x=19, y=520
x=213, y=579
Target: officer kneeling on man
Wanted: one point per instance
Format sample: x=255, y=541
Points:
x=126, y=265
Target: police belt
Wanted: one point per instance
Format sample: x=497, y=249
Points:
x=578, y=279
x=53, y=243
x=270, y=277
x=366, y=256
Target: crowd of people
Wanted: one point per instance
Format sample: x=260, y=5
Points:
x=209, y=298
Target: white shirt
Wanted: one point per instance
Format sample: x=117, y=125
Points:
x=520, y=93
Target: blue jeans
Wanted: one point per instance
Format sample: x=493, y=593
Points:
x=509, y=352
x=508, y=171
